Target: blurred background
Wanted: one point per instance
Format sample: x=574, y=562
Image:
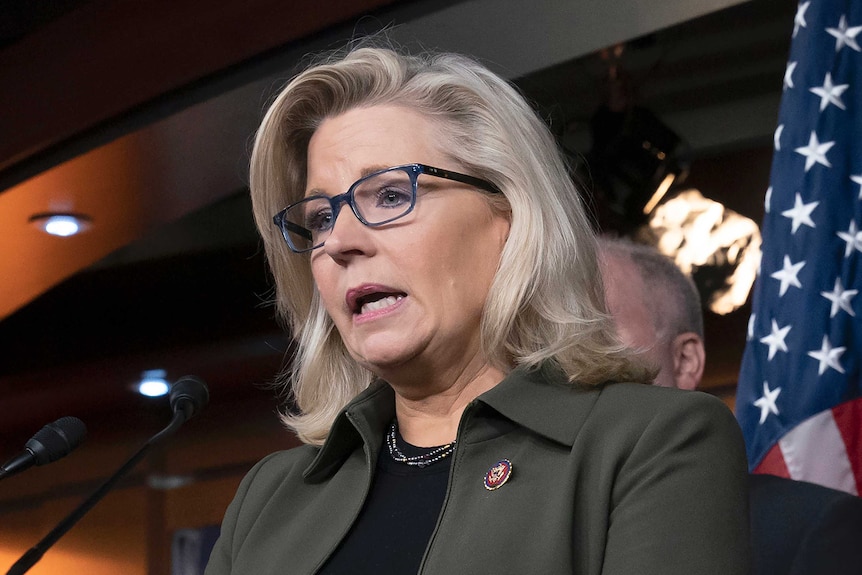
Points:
x=133, y=121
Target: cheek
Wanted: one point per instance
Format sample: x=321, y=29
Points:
x=473, y=259
x=634, y=329
x=326, y=285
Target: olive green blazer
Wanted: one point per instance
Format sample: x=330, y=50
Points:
x=617, y=479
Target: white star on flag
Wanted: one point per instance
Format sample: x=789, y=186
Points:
x=799, y=19
x=800, y=214
x=830, y=93
x=840, y=298
x=849, y=237
x=788, y=75
x=818, y=434
x=775, y=340
x=787, y=275
x=858, y=180
x=815, y=152
x=844, y=35
x=766, y=403
x=828, y=357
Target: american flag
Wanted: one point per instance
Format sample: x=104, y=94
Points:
x=798, y=399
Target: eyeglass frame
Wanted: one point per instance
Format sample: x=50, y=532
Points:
x=413, y=171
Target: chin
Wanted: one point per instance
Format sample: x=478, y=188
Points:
x=385, y=348
x=380, y=361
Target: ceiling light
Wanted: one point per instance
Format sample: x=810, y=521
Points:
x=62, y=225
x=153, y=383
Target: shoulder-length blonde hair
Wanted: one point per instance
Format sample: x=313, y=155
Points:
x=546, y=301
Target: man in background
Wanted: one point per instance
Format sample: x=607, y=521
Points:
x=656, y=309
x=797, y=528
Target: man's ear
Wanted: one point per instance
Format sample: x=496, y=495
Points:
x=689, y=357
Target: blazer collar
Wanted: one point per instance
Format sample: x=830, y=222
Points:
x=540, y=399
x=362, y=421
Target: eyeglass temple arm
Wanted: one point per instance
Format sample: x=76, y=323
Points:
x=285, y=224
x=463, y=178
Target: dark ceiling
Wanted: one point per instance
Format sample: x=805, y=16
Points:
x=18, y=18
x=191, y=294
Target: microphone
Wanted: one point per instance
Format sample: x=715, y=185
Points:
x=50, y=443
x=188, y=396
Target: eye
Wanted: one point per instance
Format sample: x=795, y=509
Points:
x=318, y=219
x=393, y=196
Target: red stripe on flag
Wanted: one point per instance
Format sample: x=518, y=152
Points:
x=848, y=418
x=773, y=463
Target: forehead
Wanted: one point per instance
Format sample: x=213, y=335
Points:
x=363, y=140
x=629, y=302
x=624, y=287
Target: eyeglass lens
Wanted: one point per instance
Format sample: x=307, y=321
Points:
x=376, y=199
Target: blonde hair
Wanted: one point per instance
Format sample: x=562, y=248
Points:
x=546, y=301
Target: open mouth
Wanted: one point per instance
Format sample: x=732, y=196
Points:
x=376, y=301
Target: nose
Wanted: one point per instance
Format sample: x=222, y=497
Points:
x=348, y=235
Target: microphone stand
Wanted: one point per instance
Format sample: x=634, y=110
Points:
x=35, y=553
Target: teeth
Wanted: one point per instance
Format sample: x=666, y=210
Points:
x=379, y=304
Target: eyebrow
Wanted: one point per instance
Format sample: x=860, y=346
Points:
x=366, y=171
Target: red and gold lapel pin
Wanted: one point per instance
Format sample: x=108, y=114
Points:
x=498, y=474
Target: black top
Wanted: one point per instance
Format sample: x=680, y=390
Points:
x=396, y=523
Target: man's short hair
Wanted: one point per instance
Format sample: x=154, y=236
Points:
x=662, y=279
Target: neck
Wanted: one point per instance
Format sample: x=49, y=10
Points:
x=428, y=418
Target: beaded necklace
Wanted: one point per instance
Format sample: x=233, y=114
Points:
x=423, y=460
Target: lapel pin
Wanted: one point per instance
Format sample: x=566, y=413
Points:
x=498, y=474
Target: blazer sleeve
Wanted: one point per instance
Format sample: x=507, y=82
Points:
x=679, y=500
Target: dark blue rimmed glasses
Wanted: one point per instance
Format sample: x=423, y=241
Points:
x=375, y=199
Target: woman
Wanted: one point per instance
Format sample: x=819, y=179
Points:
x=455, y=371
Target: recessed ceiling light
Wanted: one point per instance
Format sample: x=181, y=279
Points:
x=153, y=383
x=62, y=225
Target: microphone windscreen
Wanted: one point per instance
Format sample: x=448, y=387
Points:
x=190, y=394
x=57, y=439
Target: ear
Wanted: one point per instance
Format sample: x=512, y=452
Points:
x=689, y=357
